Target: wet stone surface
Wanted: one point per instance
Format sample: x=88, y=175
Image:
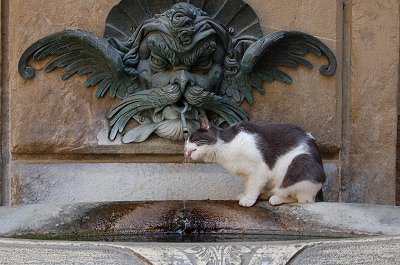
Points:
x=176, y=221
x=200, y=232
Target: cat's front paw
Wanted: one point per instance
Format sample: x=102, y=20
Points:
x=240, y=196
x=247, y=202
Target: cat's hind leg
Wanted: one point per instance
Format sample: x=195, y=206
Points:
x=303, y=178
x=265, y=195
x=277, y=200
x=302, y=192
x=306, y=191
x=266, y=192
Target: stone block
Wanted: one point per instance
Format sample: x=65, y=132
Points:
x=90, y=182
x=369, y=174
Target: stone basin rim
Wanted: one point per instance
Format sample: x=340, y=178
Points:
x=338, y=220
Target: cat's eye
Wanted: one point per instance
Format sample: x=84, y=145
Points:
x=201, y=142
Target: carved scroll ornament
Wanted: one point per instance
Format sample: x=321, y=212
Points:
x=167, y=63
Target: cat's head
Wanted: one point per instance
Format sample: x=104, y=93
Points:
x=200, y=145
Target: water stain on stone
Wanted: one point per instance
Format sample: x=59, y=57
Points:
x=175, y=221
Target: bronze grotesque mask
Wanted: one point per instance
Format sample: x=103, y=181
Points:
x=168, y=68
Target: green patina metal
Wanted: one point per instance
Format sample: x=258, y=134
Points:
x=167, y=62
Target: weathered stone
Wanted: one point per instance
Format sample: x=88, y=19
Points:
x=91, y=182
x=35, y=252
x=61, y=115
x=331, y=188
x=317, y=18
x=65, y=118
x=398, y=159
x=379, y=251
x=356, y=251
x=156, y=222
x=1, y=117
x=74, y=221
x=134, y=220
x=369, y=160
x=312, y=100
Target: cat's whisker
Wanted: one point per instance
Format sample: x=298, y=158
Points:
x=184, y=155
x=185, y=159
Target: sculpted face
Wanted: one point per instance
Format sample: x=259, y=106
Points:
x=187, y=61
x=161, y=65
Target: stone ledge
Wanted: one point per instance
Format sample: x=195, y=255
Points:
x=197, y=218
x=63, y=183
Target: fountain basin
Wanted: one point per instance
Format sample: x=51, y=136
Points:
x=199, y=231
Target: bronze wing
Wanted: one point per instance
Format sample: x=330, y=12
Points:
x=81, y=52
x=263, y=61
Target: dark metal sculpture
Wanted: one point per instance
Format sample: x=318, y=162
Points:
x=167, y=62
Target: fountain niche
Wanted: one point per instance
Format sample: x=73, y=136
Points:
x=105, y=164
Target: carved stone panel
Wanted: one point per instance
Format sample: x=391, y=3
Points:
x=65, y=119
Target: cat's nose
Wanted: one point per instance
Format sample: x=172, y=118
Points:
x=189, y=152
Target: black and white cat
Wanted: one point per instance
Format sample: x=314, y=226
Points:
x=279, y=160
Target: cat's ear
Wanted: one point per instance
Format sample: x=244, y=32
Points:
x=204, y=123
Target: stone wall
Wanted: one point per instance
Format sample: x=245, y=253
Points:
x=1, y=104
x=58, y=138
x=371, y=87
x=398, y=163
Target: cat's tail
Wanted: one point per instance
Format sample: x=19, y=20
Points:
x=320, y=196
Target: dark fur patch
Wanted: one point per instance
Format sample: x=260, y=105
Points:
x=228, y=134
x=303, y=167
x=211, y=136
x=275, y=139
x=203, y=137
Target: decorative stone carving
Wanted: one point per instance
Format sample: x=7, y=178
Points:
x=169, y=62
x=218, y=254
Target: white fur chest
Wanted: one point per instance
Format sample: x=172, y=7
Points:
x=240, y=156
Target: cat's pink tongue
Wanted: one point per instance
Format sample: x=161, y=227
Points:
x=190, y=152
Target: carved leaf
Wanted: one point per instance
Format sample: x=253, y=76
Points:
x=234, y=254
x=206, y=255
x=139, y=133
x=81, y=53
x=220, y=105
x=222, y=254
x=240, y=86
x=140, y=101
